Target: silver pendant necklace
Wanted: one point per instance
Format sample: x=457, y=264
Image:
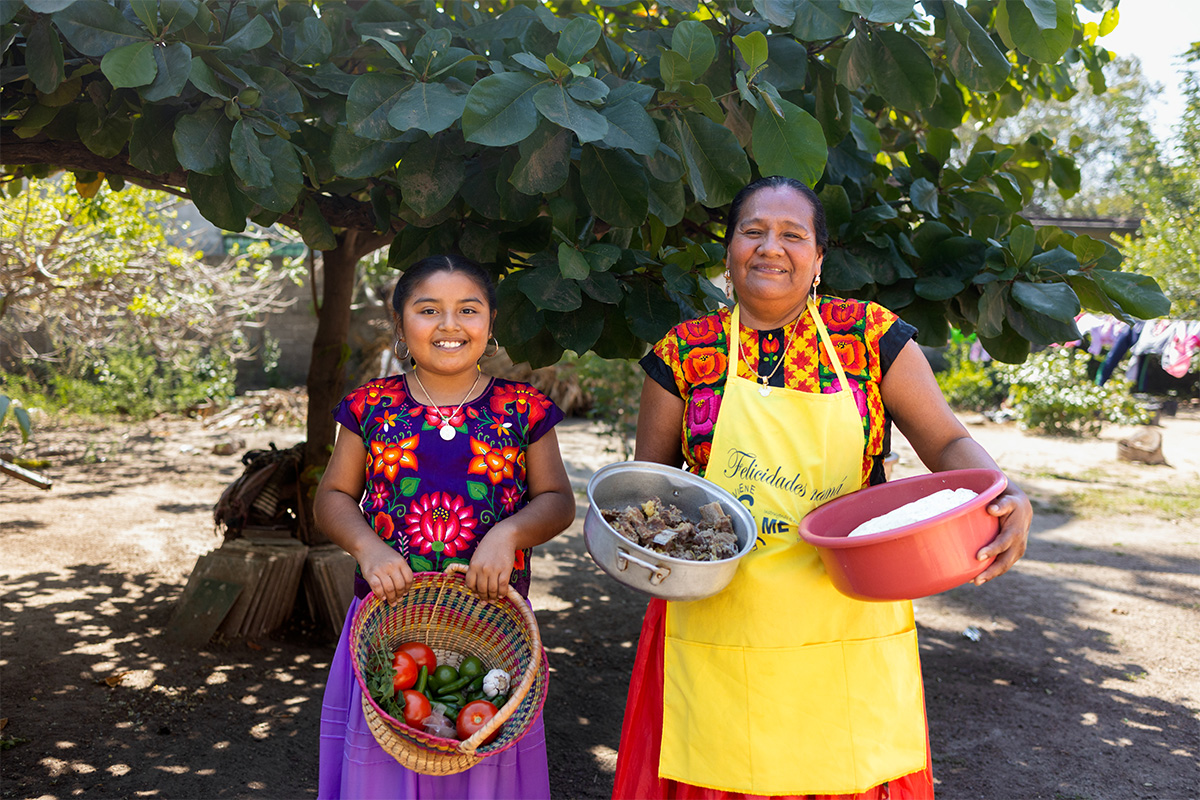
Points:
x=446, y=430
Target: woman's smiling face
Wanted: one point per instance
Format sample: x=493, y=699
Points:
x=447, y=323
x=773, y=253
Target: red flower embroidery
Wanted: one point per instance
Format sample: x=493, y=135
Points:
x=509, y=497
x=522, y=398
x=435, y=420
x=841, y=316
x=701, y=331
x=440, y=523
x=851, y=351
x=379, y=494
x=496, y=464
x=704, y=365
x=374, y=394
x=389, y=458
x=770, y=343
x=519, y=561
x=701, y=453
x=385, y=528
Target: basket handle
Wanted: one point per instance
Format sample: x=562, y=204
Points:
x=468, y=746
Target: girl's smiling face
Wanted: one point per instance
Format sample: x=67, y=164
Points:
x=447, y=323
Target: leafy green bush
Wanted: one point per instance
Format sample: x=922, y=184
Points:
x=970, y=385
x=613, y=388
x=129, y=381
x=1050, y=393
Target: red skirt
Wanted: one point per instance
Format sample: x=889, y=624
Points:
x=641, y=738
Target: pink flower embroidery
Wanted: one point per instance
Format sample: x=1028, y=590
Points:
x=509, y=497
x=702, y=411
x=440, y=523
x=860, y=397
x=379, y=494
x=435, y=420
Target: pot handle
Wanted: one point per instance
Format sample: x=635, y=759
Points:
x=658, y=573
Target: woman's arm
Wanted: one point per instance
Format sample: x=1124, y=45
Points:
x=913, y=398
x=660, y=426
x=336, y=510
x=551, y=509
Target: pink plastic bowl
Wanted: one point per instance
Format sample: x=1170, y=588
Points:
x=915, y=560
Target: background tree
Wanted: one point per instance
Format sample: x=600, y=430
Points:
x=586, y=151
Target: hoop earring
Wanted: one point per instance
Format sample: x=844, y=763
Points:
x=396, y=349
x=813, y=293
x=494, y=341
x=728, y=285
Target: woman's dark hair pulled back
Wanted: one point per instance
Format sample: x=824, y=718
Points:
x=418, y=272
x=820, y=232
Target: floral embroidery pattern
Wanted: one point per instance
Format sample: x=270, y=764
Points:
x=390, y=458
x=496, y=463
x=439, y=523
x=696, y=352
x=431, y=499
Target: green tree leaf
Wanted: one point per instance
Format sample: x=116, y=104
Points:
x=315, y=229
x=45, y=56
x=202, y=141
x=693, y=40
x=924, y=196
x=246, y=156
x=93, y=27
x=817, y=20
x=578, y=330
x=430, y=107
x=288, y=182
x=558, y=107
x=885, y=12
x=901, y=71
x=578, y=39
x=130, y=65
x=752, y=48
x=793, y=146
x=218, y=200
x=631, y=128
x=254, y=34
x=571, y=262
x=617, y=186
x=1055, y=300
x=174, y=66
x=971, y=53
x=1020, y=242
x=549, y=290
x=545, y=160
x=430, y=175
x=354, y=157
x=150, y=147
x=500, y=110
x=715, y=163
x=1139, y=295
x=370, y=103
x=1020, y=29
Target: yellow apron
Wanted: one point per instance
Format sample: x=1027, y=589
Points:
x=780, y=684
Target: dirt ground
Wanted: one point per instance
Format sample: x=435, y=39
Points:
x=1074, y=677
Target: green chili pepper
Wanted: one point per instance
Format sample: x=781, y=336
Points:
x=476, y=684
x=422, y=679
x=454, y=686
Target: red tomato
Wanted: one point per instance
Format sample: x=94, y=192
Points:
x=475, y=715
x=406, y=671
x=421, y=653
x=416, y=708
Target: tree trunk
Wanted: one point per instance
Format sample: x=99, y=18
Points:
x=327, y=368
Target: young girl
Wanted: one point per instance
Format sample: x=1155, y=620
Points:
x=441, y=465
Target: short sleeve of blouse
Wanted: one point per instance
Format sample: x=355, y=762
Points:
x=897, y=333
x=553, y=416
x=344, y=414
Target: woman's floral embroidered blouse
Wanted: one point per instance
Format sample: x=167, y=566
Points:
x=431, y=499
x=692, y=359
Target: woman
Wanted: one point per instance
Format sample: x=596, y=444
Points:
x=780, y=685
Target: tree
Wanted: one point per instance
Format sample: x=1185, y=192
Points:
x=84, y=272
x=585, y=151
x=1168, y=194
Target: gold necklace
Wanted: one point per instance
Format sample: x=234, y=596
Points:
x=764, y=382
x=446, y=430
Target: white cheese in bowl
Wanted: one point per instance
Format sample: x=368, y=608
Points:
x=916, y=511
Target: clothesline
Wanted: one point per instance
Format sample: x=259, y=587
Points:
x=1175, y=342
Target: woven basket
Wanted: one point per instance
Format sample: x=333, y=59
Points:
x=439, y=611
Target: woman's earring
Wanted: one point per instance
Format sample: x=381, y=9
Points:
x=728, y=284
x=816, y=282
x=495, y=345
x=396, y=349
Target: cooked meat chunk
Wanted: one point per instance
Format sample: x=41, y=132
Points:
x=666, y=529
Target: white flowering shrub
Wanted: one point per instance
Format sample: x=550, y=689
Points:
x=1050, y=393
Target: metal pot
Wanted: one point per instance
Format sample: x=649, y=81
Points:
x=635, y=482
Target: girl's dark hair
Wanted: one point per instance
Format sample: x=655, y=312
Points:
x=820, y=232
x=412, y=277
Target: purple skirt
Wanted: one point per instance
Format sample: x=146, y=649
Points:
x=354, y=766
